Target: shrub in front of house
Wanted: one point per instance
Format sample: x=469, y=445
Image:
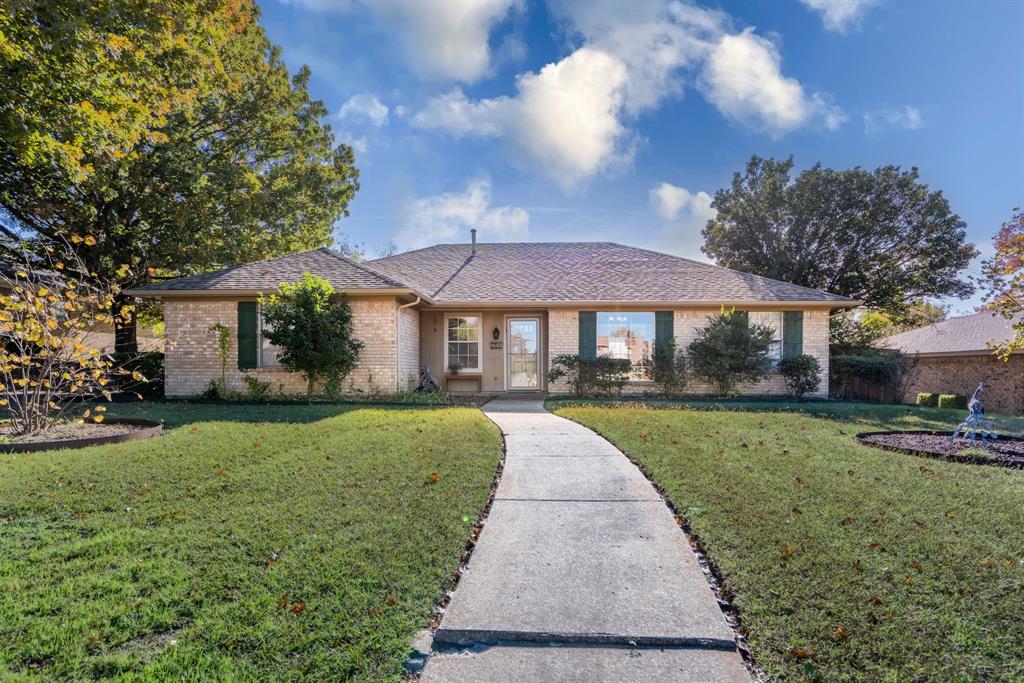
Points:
x=874, y=368
x=311, y=324
x=802, y=374
x=958, y=401
x=669, y=368
x=589, y=377
x=927, y=399
x=731, y=351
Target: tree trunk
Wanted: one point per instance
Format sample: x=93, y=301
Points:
x=125, y=333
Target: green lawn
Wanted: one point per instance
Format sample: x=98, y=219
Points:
x=249, y=542
x=846, y=562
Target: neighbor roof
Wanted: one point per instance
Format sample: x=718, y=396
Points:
x=580, y=271
x=969, y=334
x=535, y=272
x=265, y=276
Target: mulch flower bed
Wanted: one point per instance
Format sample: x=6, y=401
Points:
x=74, y=435
x=1006, y=451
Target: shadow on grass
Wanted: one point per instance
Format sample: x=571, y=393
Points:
x=180, y=413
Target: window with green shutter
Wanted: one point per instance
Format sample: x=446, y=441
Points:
x=663, y=328
x=792, y=333
x=588, y=335
x=248, y=335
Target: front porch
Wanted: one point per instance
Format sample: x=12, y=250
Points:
x=486, y=351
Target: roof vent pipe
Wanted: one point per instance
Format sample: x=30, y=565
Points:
x=472, y=233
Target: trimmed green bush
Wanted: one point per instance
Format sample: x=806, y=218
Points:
x=589, y=377
x=927, y=399
x=958, y=401
x=802, y=374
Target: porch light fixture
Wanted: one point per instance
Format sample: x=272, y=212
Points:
x=496, y=333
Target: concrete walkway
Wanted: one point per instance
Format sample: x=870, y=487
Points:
x=581, y=572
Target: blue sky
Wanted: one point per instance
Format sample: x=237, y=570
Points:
x=558, y=120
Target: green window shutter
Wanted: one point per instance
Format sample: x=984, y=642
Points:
x=248, y=334
x=663, y=332
x=792, y=333
x=588, y=335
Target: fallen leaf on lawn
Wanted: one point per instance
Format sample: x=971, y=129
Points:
x=392, y=600
x=788, y=551
x=841, y=632
x=434, y=478
x=282, y=601
x=798, y=482
x=949, y=515
x=802, y=652
x=298, y=608
x=875, y=600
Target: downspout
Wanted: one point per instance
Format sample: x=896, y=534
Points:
x=398, y=345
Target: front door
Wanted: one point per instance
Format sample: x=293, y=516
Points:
x=523, y=356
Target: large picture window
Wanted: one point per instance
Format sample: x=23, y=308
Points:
x=772, y=319
x=463, y=337
x=629, y=336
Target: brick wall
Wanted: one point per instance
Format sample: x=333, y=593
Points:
x=563, y=337
x=1004, y=381
x=408, y=347
x=191, y=356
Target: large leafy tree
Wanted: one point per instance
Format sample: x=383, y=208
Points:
x=169, y=132
x=880, y=236
x=1003, y=280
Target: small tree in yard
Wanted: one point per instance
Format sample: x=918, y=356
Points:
x=730, y=351
x=312, y=325
x=802, y=374
x=51, y=311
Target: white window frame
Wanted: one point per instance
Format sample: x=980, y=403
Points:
x=259, y=345
x=765, y=318
x=479, y=340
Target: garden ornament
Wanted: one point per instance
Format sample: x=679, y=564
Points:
x=427, y=381
x=976, y=423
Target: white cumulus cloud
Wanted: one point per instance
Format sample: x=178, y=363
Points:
x=574, y=118
x=743, y=79
x=445, y=39
x=448, y=217
x=365, y=106
x=565, y=118
x=838, y=15
x=687, y=213
x=906, y=117
x=441, y=39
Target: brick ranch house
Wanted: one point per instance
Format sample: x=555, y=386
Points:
x=955, y=354
x=486, y=317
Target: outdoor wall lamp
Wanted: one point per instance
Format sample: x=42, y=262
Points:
x=496, y=333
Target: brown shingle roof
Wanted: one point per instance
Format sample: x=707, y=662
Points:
x=519, y=272
x=580, y=271
x=966, y=334
x=265, y=276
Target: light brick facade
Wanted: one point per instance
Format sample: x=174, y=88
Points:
x=564, y=338
x=393, y=346
x=192, y=358
x=1004, y=381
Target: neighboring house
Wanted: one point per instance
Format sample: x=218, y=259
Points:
x=956, y=354
x=486, y=317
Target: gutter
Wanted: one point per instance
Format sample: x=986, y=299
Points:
x=766, y=304
x=398, y=345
